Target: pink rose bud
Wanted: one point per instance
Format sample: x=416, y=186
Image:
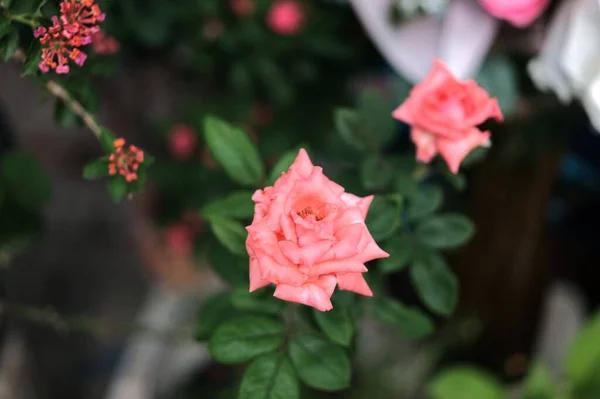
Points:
x=444, y=114
x=179, y=239
x=520, y=13
x=309, y=236
x=242, y=8
x=182, y=142
x=285, y=17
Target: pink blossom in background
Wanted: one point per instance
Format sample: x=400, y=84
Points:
x=242, y=8
x=182, y=142
x=104, y=44
x=520, y=13
x=286, y=17
x=444, y=113
x=309, y=236
x=179, y=239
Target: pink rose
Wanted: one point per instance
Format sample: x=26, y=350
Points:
x=308, y=236
x=182, y=141
x=444, y=114
x=285, y=17
x=520, y=13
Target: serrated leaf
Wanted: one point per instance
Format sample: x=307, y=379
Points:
x=254, y=302
x=270, y=376
x=409, y=321
x=320, y=363
x=337, y=324
x=435, y=283
x=234, y=151
x=428, y=200
x=230, y=233
x=445, y=231
x=400, y=248
x=242, y=338
x=383, y=218
x=215, y=310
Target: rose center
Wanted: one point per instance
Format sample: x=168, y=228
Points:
x=308, y=211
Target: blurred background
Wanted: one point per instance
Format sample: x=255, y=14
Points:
x=103, y=303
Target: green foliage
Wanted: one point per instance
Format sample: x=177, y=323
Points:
x=96, y=169
x=230, y=233
x=583, y=359
x=25, y=179
x=243, y=338
x=383, y=218
x=435, y=283
x=234, y=151
x=215, y=310
x=463, y=382
x=445, y=231
x=410, y=322
x=319, y=363
x=539, y=384
x=270, y=377
x=238, y=205
x=401, y=248
x=337, y=324
x=256, y=302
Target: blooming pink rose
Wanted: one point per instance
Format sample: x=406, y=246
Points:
x=286, y=17
x=308, y=236
x=182, y=141
x=444, y=114
x=520, y=13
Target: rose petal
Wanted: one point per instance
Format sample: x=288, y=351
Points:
x=256, y=282
x=308, y=294
x=354, y=282
x=454, y=151
x=425, y=143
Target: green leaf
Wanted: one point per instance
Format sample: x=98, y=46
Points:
x=376, y=113
x=400, y=248
x=410, y=321
x=95, y=169
x=10, y=44
x=26, y=180
x=5, y=25
x=458, y=181
x=406, y=186
x=117, y=188
x=463, y=382
x=238, y=205
x=435, y=283
x=383, y=218
x=215, y=310
x=428, y=200
x=230, y=233
x=255, y=302
x=539, y=384
x=270, y=376
x=349, y=125
x=499, y=77
x=233, y=149
x=583, y=359
x=282, y=165
x=107, y=139
x=320, y=363
x=242, y=338
x=337, y=324
x=230, y=267
x=274, y=81
x=475, y=156
x=32, y=60
x=444, y=231
x=23, y=6
x=375, y=173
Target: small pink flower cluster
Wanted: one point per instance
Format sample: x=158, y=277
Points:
x=74, y=28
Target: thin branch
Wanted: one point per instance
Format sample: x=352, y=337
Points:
x=61, y=93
